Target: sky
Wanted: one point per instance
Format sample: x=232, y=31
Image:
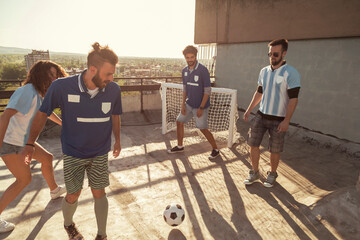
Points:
x=140, y=28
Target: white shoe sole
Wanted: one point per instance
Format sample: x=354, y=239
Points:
x=268, y=185
x=169, y=151
x=59, y=193
x=249, y=183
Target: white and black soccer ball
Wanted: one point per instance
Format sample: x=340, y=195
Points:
x=174, y=214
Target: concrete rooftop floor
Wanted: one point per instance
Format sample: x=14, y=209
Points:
x=315, y=197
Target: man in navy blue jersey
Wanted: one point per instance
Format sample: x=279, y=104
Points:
x=90, y=106
x=195, y=101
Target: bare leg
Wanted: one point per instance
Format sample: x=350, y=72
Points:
x=21, y=172
x=47, y=169
x=255, y=156
x=209, y=137
x=180, y=133
x=274, y=161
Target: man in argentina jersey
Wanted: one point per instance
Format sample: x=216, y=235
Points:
x=90, y=106
x=277, y=93
x=195, y=102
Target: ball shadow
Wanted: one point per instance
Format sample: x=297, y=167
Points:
x=176, y=234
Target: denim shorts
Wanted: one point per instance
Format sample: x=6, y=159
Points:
x=9, y=149
x=259, y=126
x=200, y=122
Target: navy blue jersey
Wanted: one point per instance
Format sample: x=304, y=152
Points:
x=86, y=121
x=195, y=82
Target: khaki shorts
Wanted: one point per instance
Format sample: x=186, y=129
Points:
x=96, y=170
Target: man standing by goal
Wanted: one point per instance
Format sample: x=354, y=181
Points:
x=277, y=93
x=195, y=101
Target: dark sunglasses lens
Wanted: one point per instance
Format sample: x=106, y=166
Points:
x=273, y=54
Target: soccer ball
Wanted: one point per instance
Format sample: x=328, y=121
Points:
x=174, y=214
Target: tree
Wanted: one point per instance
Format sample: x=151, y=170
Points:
x=15, y=71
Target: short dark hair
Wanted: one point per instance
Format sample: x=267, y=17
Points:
x=282, y=42
x=38, y=75
x=99, y=55
x=190, y=49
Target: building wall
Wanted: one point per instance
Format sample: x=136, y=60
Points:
x=329, y=99
x=235, y=21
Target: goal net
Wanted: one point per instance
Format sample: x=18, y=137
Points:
x=222, y=117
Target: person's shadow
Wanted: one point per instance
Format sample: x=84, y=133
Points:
x=299, y=210
x=51, y=208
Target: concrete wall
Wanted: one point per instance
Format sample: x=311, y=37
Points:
x=235, y=21
x=329, y=98
x=132, y=103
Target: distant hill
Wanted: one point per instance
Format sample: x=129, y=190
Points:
x=13, y=50
x=24, y=51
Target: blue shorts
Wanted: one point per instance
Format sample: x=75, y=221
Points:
x=9, y=149
x=259, y=126
x=200, y=122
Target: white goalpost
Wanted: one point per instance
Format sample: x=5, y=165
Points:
x=222, y=117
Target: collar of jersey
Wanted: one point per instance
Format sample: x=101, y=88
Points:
x=196, y=67
x=81, y=83
x=282, y=65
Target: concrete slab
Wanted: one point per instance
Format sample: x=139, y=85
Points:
x=315, y=197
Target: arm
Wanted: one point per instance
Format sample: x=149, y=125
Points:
x=37, y=125
x=284, y=125
x=4, y=122
x=203, y=102
x=116, y=123
x=55, y=118
x=255, y=101
x=183, y=105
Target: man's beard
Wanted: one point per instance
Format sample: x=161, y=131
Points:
x=99, y=82
x=275, y=63
x=191, y=63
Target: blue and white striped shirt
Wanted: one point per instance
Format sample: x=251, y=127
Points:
x=275, y=84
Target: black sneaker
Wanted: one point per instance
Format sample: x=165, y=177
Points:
x=73, y=232
x=176, y=149
x=214, y=154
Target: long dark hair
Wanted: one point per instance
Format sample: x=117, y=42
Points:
x=39, y=75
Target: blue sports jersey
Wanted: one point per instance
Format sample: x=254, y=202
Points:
x=26, y=101
x=195, y=82
x=86, y=121
x=275, y=84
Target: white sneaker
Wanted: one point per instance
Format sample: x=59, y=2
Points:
x=6, y=226
x=58, y=192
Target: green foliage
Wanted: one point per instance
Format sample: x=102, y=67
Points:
x=70, y=61
x=12, y=71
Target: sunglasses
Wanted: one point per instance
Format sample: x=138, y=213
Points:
x=273, y=54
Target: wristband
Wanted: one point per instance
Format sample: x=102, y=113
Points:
x=29, y=144
x=202, y=108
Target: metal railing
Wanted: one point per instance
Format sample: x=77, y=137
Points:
x=127, y=84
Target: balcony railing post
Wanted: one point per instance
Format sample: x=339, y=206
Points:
x=141, y=96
